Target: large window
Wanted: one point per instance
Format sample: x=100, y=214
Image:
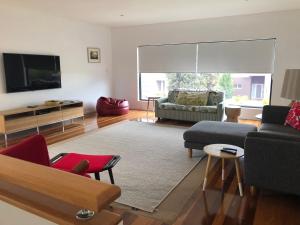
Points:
x=244, y=89
x=241, y=69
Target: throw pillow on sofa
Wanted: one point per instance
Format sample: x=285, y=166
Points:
x=214, y=98
x=293, y=117
x=192, y=98
x=172, y=96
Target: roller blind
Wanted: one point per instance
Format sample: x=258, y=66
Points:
x=167, y=58
x=255, y=56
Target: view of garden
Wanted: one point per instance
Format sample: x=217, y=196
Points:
x=240, y=89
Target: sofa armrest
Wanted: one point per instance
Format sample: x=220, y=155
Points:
x=159, y=101
x=272, y=163
x=274, y=114
x=276, y=137
x=220, y=110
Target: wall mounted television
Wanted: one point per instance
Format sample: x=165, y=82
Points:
x=25, y=72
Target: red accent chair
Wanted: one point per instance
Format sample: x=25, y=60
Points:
x=34, y=149
x=111, y=106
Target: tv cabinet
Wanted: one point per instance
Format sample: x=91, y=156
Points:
x=20, y=119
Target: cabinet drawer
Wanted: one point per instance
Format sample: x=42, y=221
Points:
x=20, y=124
x=72, y=113
x=49, y=118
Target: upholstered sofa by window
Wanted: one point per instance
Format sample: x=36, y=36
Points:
x=187, y=106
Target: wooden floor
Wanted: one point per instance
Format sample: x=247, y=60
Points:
x=220, y=204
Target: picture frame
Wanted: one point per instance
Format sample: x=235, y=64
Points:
x=94, y=55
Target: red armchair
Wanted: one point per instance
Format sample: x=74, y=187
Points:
x=110, y=106
x=34, y=149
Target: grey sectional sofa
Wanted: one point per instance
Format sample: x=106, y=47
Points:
x=272, y=155
x=168, y=109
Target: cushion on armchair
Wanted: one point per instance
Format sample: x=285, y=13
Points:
x=293, y=117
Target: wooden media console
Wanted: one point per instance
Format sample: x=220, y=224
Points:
x=20, y=119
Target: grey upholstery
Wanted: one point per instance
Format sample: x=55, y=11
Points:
x=272, y=155
x=166, y=108
x=212, y=132
x=279, y=129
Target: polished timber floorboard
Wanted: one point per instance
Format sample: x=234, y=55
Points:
x=220, y=204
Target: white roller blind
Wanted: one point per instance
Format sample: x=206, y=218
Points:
x=255, y=56
x=167, y=58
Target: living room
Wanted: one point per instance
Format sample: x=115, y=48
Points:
x=114, y=49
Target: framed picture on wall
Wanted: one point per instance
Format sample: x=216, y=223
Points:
x=94, y=55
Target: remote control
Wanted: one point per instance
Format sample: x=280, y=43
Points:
x=233, y=152
x=230, y=149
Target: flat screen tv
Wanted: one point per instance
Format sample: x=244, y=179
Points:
x=24, y=72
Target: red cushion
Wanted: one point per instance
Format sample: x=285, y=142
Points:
x=293, y=117
x=97, y=162
x=32, y=149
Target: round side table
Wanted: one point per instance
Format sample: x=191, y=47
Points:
x=214, y=150
x=259, y=116
x=232, y=113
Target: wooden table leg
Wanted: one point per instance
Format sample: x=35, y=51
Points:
x=153, y=105
x=223, y=171
x=190, y=152
x=237, y=168
x=206, y=172
x=148, y=102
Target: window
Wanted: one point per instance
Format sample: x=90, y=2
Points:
x=180, y=66
x=237, y=86
x=257, y=91
x=161, y=85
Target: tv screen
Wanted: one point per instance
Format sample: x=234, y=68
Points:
x=24, y=72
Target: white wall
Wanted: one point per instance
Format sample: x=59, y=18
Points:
x=284, y=26
x=37, y=33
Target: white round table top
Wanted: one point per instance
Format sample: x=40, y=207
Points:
x=215, y=150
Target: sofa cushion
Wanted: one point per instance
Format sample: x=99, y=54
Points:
x=192, y=98
x=214, y=98
x=203, y=109
x=278, y=129
x=171, y=106
x=192, y=108
x=212, y=132
x=172, y=96
x=293, y=117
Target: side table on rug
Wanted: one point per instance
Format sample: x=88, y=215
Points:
x=259, y=116
x=232, y=113
x=149, y=99
x=214, y=150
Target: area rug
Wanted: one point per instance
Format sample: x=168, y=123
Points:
x=154, y=160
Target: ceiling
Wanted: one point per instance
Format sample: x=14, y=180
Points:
x=118, y=13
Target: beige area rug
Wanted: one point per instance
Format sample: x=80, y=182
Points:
x=154, y=160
